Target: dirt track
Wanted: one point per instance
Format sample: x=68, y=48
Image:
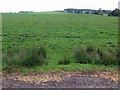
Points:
x=67, y=81
x=71, y=82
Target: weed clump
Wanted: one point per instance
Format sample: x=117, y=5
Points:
x=81, y=56
x=89, y=49
x=64, y=61
x=25, y=57
x=96, y=56
x=33, y=56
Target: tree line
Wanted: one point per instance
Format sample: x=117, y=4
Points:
x=115, y=12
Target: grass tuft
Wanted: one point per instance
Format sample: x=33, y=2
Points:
x=95, y=56
x=25, y=57
x=64, y=61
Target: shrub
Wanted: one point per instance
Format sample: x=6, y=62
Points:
x=64, y=61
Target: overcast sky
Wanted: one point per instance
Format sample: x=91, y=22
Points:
x=51, y=5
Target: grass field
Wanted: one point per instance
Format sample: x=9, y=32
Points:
x=59, y=34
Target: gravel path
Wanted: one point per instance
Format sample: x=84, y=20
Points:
x=85, y=81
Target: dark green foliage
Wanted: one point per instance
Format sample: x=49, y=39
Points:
x=81, y=56
x=89, y=49
x=115, y=12
x=96, y=56
x=34, y=56
x=25, y=57
x=108, y=58
x=64, y=61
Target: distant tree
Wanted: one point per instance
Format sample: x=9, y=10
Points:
x=115, y=12
x=100, y=12
x=87, y=12
x=110, y=13
x=100, y=9
x=96, y=12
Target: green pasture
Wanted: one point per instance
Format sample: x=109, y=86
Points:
x=59, y=34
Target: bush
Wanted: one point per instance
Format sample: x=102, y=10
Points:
x=64, y=61
x=25, y=57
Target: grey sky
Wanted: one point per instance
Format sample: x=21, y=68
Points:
x=51, y=5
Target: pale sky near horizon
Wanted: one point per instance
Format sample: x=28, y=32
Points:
x=52, y=5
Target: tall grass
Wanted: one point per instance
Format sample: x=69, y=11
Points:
x=96, y=56
x=81, y=56
x=25, y=57
x=64, y=61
